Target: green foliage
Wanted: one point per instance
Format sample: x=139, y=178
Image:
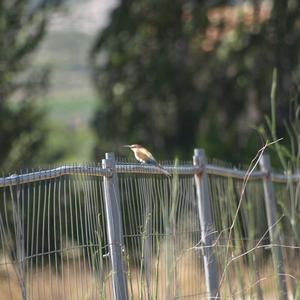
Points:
x=286, y=153
x=146, y=79
x=22, y=127
x=164, y=81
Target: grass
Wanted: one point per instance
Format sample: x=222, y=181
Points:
x=78, y=281
x=73, y=283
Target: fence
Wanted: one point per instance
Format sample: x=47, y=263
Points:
x=126, y=231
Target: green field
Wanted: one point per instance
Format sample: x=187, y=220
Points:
x=70, y=100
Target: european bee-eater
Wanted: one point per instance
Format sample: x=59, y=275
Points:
x=145, y=157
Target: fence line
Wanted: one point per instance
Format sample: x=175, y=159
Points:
x=151, y=225
x=140, y=169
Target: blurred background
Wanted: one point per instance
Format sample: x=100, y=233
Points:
x=80, y=78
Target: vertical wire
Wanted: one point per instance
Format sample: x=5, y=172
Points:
x=191, y=207
x=166, y=232
x=63, y=203
x=78, y=231
x=156, y=239
x=79, y=224
x=56, y=250
x=31, y=233
x=5, y=243
x=160, y=238
x=39, y=196
x=64, y=240
x=87, y=227
x=27, y=242
x=149, y=246
x=98, y=235
x=175, y=194
x=142, y=223
x=18, y=217
x=184, y=213
x=58, y=242
x=126, y=208
x=43, y=238
x=9, y=239
x=140, y=211
x=224, y=192
x=15, y=237
x=101, y=238
x=22, y=240
x=146, y=238
x=93, y=226
x=5, y=258
x=90, y=228
x=179, y=216
x=128, y=228
x=136, y=225
x=81, y=199
x=85, y=236
x=95, y=243
x=73, y=204
x=253, y=193
x=49, y=225
x=84, y=225
x=106, y=288
x=193, y=227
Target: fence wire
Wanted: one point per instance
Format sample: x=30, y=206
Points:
x=54, y=243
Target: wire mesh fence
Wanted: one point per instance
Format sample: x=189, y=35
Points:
x=58, y=239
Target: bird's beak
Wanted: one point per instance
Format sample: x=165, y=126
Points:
x=127, y=146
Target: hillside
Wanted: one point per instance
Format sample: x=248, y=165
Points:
x=70, y=100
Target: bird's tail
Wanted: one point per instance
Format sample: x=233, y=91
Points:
x=163, y=170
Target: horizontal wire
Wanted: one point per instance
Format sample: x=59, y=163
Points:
x=16, y=179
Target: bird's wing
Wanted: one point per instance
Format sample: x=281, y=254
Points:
x=146, y=155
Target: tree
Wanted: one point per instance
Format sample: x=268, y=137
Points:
x=146, y=83
x=176, y=74
x=23, y=131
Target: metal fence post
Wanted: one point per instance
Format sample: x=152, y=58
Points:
x=114, y=229
x=270, y=202
x=206, y=223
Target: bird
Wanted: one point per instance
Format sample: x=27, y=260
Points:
x=145, y=157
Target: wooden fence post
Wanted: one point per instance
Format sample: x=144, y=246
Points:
x=114, y=229
x=206, y=223
x=270, y=203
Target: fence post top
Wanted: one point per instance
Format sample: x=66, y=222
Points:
x=109, y=160
x=110, y=155
x=104, y=163
x=265, y=162
x=199, y=152
x=199, y=157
